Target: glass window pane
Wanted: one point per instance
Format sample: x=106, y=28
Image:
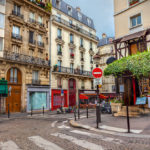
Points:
x=133, y=21
x=38, y=100
x=139, y=19
x=2, y=21
x=1, y=44
x=15, y=75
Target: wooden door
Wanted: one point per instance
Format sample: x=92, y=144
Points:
x=14, y=98
x=72, y=92
x=133, y=49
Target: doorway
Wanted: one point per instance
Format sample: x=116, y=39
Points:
x=72, y=92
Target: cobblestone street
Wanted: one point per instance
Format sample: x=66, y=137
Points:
x=52, y=132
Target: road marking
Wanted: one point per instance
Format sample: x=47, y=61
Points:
x=65, y=121
x=9, y=145
x=118, y=129
x=82, y=143
x=53, y=124
x=46, y=145
x=63, y=127
x=107, y=139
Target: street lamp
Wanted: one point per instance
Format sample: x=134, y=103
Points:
x=96, y=60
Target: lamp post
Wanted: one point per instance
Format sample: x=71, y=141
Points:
x=96, y=60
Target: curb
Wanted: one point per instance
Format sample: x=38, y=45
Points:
x=86, y=127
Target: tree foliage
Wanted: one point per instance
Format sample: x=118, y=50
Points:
x=138, y=65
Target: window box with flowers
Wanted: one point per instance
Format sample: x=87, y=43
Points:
x=133, y=2
x=72, y=55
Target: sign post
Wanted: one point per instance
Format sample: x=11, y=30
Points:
x=97, y=73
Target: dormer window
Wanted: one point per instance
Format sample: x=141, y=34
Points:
x=79, y=16
x=89, y=21
x=69, y=10
x=133, y=2
x=58, y=4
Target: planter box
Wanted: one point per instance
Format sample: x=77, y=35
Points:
x=116, y=107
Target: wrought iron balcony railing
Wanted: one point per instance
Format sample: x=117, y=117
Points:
x=41, y=24
x=59, y=53
x=16, y=36
x=75, y=27
x=32, y=20
x=16, y=13
x=72, y=71
x=36, y=81
x=26, y=59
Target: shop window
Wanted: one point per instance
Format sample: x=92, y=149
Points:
x=37, y=100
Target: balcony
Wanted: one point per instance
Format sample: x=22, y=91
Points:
x=25, y=59
x=71, y=71
x=59, y=53
x=16, y=36
x=16, y=13
x=40, y=44
x=36, y=82
x=74, y=27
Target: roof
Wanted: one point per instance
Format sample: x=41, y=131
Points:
x=64, y=9
x=105, y=41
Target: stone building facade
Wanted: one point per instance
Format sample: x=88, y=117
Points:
x=74, y=43
x=132, y=35
x=24, y=60
x=106, y=51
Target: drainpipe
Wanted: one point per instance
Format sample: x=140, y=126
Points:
x=50, y=73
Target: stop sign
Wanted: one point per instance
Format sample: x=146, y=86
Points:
x=97, y=72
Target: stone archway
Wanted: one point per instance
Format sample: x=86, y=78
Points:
x=72, y=92
x=14, y=78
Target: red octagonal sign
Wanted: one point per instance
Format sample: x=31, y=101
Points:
x=97, y=72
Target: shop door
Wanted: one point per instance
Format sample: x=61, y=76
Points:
x=72, y=92
x=133, y=49
x=14, y=99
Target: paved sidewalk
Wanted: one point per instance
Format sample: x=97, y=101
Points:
x=141, y=125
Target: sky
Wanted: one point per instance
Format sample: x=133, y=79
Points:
x=101, y=11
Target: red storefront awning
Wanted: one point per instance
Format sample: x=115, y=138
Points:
x=82, y=96
x=101, y=96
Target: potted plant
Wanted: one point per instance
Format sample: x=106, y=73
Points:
x=72, y=55
x=56, y=68
x=116, y=105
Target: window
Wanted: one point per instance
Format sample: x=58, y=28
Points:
x=58, y=4
x=2, y=21
x=136, y=20
x=31, y=37
x=59, y=33
x=82, y=59
x=59, y=51
x=82, y=68
x=16, y=48
x=91, y=45
x=13, y=75
x=40, y=20
x=89, y=21
x=71, y=38
x=1, y=44
x=39, y=38
x=59, y=65
x=59, y=82
x=32, y=17
x=79, y=16
x=92, y=85
x=16, y=30
x=113, y=88
x=71, y=67
x=70, y=22
x=2, y=2
x=81, y=42
x=91, y=59
x=35, y=75
x=17, y=9
x=82, y=84
x=59, y=17
x=69, y=11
